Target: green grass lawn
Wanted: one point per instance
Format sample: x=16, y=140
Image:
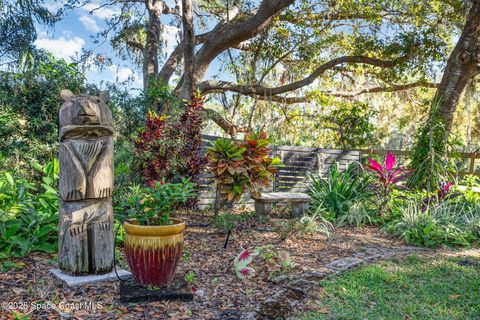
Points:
x=415, y=288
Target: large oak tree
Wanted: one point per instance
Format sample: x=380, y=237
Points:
x=287, y=51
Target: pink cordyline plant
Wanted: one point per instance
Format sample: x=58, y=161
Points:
x=387, y=175
x=443, y=191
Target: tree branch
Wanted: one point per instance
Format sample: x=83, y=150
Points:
x=335, y=16
x=221, y=86
x=236, y=31
x=226, y=35
x=389, y=88
x=223, y=123
x=379, y=89
x=188, y=50
x=176, y=56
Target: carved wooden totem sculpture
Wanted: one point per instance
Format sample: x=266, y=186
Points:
x=86, y=184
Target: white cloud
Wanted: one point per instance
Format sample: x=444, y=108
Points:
x=89, y=23
x=101, y=13
x=169, y=37
x=62, y=47
x=122, y=74
x=53, y=6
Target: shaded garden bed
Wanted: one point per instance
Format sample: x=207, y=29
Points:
x=220, y=294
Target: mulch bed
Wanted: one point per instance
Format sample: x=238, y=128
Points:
x=224, y=295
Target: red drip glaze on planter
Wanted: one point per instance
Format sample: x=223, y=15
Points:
x=154, y=266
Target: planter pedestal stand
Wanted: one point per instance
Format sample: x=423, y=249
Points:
x=130, y=291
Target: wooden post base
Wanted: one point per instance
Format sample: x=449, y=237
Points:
x=86, y=236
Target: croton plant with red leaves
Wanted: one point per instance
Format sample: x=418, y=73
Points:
x=241, y=165
x=168, y=149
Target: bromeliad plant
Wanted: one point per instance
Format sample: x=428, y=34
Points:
x=241, y=165
x=155, y=205
x=277, y=261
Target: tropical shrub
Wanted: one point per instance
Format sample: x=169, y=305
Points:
x=338, y=191
x=241, y=165
x=155, y=204
x=29, y=212
x=388, y=178
x=226, y=163
x=168, y=150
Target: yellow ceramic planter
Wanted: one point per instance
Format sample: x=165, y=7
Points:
x=153, y=252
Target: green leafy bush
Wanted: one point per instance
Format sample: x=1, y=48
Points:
x=357, y=117
x=154, y=205
x=339, y=191
x=359, y=214
x=301, y=227
x=29, y=212
x=448, y=223
x=226, y=222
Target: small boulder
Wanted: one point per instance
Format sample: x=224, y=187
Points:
x=281, y=304
x=344, y=263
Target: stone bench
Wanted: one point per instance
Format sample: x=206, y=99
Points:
x=299, y=202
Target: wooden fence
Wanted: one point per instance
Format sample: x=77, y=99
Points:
x=466, y=163
x=297, y=161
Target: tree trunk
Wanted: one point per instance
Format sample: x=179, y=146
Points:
x=461, y=67
x=188, y=88
x=150, y=53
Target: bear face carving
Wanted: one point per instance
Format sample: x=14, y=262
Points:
x=84, y=110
